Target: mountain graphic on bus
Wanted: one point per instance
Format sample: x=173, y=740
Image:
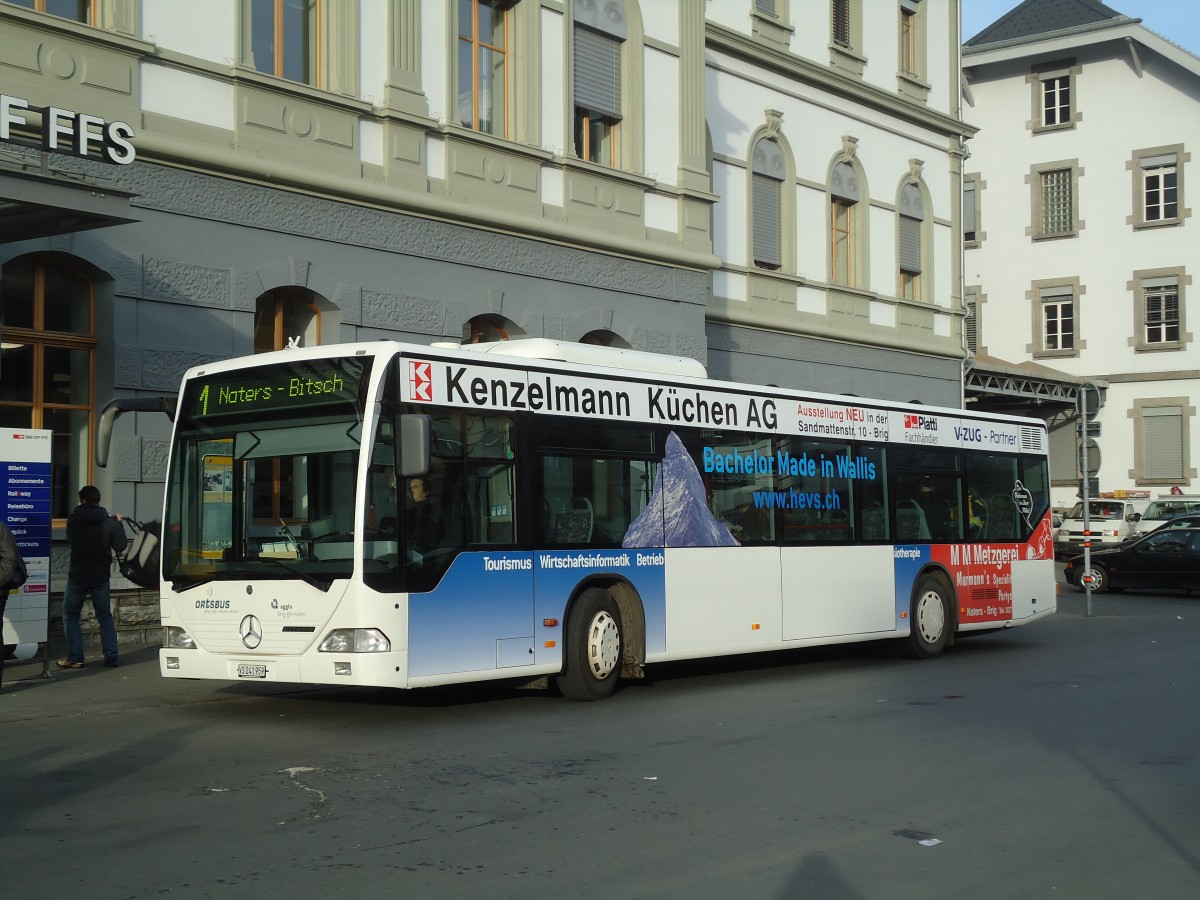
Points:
x=677, y=515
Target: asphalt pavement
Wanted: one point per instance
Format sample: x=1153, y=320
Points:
x=30, y=692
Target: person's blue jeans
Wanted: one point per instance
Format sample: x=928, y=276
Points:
x=73, y=599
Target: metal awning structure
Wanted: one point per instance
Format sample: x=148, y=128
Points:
x=1001, y=386
x=36, y=205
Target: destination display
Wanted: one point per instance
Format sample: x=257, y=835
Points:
x=568, y=394
x=290, y=387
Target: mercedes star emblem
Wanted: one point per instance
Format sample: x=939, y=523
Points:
x=251, y=632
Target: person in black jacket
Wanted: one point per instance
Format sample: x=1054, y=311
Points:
x=10, y=558
x=93, y=536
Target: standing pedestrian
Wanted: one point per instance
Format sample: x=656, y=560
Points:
x=10, y=561
x=94, y=537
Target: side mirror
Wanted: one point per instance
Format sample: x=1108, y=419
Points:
x=415, y=444
x=1133, y=517
x=123, y=405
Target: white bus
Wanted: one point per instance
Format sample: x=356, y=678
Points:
x=584, y=511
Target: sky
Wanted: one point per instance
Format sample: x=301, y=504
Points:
x=1176, y=20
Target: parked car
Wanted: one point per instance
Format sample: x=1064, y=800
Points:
x=1162, y=510
x=1167, y=558
x=1109, y=520
x=1192, y=520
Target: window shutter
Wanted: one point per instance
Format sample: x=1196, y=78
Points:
x=767, y=218
x=1162, y=441
x=912, y=214
x=1059, y=294
x=1157, y=162
x=597, y=72
x=971, y=323
x=968, y=211
x=844, y=183
x=1064, y=452
x=910, y=245
x=841, y=22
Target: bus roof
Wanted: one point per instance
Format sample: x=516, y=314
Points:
x=588, y=355
x=587, y=359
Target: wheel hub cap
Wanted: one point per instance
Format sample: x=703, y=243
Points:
x=603, y=646
x=931, y=617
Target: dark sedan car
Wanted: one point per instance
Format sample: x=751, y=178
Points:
x=1166, y=558
x=1192, y=520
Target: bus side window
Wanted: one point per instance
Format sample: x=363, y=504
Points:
x=490, y=510
x=991, y=512
x=596, y=479
x=817, y=489
x=1035, y=477
x=868, y=491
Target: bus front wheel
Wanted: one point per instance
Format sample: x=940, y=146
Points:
x=593, y=648
x=929, y=619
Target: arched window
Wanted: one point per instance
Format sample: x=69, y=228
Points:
x=283, y=317
x=489, y=327
x=47, y=347
x=910, y=227
x=602, y=337
x=286, y=315
x=844, y=225
x=768, y=174
x=600, y=32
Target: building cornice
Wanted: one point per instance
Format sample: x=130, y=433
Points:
x=803, y=71
x=168, y=150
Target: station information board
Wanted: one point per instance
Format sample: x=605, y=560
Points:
x=25, y=489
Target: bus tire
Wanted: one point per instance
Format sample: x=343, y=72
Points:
x=930, y=619
x=594, y=647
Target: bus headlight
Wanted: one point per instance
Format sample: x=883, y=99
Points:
x=176, y=638
x=355, y=640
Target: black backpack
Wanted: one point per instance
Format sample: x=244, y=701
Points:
x=140, y=562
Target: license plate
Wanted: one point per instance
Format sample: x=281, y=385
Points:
x=251, y=671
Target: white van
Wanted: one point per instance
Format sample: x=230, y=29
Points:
x=1164, y=508
x=1111, y=522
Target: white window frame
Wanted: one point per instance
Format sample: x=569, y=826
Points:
x=1048, y=83
x=1150, y=166
x=1147, y=286
x=1061, y=294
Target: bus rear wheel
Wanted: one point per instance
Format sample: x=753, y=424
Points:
x=929, y=619
x=594, y=647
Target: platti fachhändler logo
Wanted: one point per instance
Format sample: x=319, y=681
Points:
x=920, y=429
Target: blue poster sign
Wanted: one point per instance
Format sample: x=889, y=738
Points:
x=25, y=495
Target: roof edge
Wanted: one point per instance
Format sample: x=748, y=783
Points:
x=970, y=49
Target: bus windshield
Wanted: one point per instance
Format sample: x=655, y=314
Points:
x=264, y=462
